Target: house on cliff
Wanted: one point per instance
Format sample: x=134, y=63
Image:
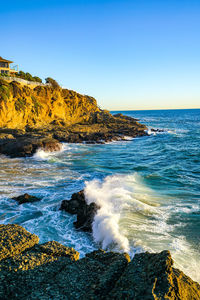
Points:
x=5, y=67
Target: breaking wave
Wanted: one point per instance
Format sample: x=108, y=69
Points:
x=117, y=195
x=134, y=218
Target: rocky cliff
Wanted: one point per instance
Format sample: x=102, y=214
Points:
x=44, y=116
x=21, y=106
x=29, y=270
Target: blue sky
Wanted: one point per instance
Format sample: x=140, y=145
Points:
x=127, y=54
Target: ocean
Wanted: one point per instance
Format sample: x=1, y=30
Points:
x=148, y=189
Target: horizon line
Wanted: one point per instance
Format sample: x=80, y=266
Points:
x=153, y=109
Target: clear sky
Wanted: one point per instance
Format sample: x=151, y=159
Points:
x=138, y=54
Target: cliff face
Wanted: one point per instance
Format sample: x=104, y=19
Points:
x=22, y=106
x=43, y=116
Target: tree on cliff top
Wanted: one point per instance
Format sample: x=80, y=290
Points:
x=53, y=82
x=28, y=76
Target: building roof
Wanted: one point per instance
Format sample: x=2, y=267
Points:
x=5, y=60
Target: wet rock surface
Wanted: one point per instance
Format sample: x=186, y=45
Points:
x=26, y=145
x=85, y=212
x=54, y=271
x=26, y=198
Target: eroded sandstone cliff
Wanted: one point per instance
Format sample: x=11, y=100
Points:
x=22, y=106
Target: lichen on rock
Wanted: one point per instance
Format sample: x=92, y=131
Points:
x=14, y=239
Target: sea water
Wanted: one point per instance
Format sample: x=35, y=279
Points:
x=148, y=189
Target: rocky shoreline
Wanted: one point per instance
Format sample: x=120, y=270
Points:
x=29, y=270
x=45, y=116
x=42, y=118
x=25, y=143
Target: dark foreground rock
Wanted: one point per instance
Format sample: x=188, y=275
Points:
x=27, y=145
x=53, y=271
x=26, y=198
x=77, y=205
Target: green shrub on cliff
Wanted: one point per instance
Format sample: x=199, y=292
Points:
x=36, y=104
x=20, y=104
x=53, y=82
x=37, y=79
x=28, y=76
x=21, y=75
x=4, y=91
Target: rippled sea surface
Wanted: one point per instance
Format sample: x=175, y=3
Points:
x=148, y=189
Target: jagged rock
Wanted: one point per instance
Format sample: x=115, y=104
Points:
x=56, y=249
x=85, y=212
x=157, y=130
x=26, y=146
x=26, y=198
x=14, y=239
x=53, y=271
x=151, y=276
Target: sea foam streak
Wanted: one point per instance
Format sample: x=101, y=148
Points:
x=116, y=195
x=46, y=155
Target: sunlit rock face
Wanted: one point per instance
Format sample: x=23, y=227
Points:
x=21, y=106
x=41, y=117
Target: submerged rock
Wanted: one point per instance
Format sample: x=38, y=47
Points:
x=54, y=271
x=85, y=212
x=26, y=198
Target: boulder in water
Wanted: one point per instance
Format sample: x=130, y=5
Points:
x=26, y=198
x=85, y=212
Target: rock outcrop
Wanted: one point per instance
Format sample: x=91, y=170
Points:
x=26, y=198
x=53, y=271
x=22, y=145
x=77, y=205
x=22, y=106
x=41, y=117
x=152, y=276
x=14, y=239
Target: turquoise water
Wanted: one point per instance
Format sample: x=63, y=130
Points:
x=148, y=189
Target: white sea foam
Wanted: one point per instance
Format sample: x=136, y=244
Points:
x=128, y=138
x=116, y=196
x=42, y=154
x=150, y=132
x=133, y=218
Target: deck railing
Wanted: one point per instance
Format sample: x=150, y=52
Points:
x=27, y=82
